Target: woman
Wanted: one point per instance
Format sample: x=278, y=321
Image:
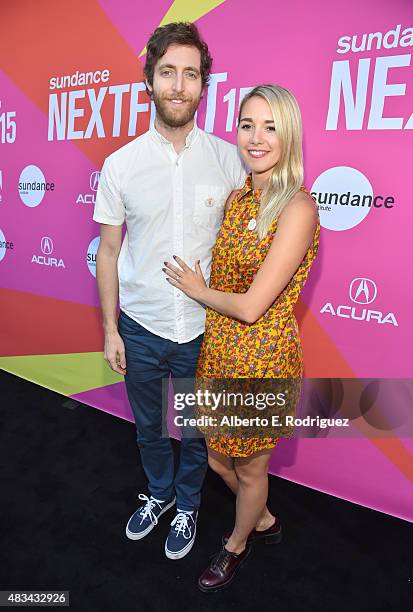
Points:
x=261, y=260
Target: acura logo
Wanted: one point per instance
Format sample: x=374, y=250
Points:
x=46, y=245
x=363, y=290
x=94, y=180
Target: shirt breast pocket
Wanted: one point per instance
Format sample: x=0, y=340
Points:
x=209, y=206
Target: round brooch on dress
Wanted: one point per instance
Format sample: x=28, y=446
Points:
x=209, y=202
x=252, y=224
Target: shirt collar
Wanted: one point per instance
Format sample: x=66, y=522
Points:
x=247, y=189
x=190, y=139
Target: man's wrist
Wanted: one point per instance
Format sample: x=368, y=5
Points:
x=110, y=327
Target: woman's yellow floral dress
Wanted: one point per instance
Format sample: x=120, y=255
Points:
x=268, y=348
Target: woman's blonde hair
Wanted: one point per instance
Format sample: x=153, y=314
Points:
x=287, y=175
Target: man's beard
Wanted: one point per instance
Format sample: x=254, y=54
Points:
x=169, y=116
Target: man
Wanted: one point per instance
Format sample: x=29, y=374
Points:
x=169, y=186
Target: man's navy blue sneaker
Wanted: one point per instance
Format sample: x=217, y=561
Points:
x=146, y=516
x=181, y=537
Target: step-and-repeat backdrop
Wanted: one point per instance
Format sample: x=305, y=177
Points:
x=71, y=92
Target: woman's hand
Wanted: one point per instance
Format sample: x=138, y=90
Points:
x=191, y=282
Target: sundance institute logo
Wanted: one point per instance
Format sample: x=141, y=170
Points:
x=91, y=255
x=5, y=245
x=33, y=186
x=345, y=197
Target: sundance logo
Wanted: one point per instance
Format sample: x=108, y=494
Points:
x=345, y=197
x=91, y=255
x=33, y=186
x=327, y=200
x=47, y=248
x=89, y=198
x=5, y=245
x=362, y=291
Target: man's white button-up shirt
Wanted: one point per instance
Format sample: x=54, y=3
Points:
x=172, y=204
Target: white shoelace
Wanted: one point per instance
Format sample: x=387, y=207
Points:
x=180, y=523
x=150, y=504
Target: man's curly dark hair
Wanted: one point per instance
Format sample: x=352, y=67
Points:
x=180, y=33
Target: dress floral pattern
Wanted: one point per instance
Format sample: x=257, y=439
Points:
x=268, y=348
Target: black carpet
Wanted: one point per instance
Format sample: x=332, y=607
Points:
x=69, y=480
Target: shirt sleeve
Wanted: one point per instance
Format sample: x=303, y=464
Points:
x=236, y=171
x=109, y=207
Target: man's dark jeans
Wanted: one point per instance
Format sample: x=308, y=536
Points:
x=149, y=360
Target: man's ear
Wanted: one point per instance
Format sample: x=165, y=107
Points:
x=148, y=87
